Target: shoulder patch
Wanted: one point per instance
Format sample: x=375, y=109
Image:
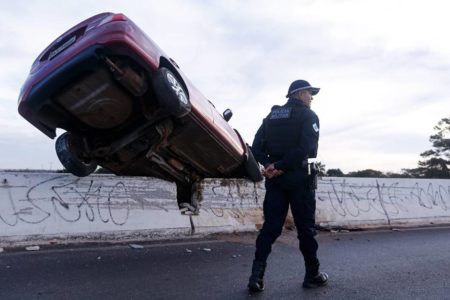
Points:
x=281, y=113
x=315, y=127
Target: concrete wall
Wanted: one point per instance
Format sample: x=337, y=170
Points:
x=227, y=205
x=37, y=206
x=341, y=202
x=49, y=206
x=374, y=202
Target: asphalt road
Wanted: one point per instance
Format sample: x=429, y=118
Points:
x=406, y=264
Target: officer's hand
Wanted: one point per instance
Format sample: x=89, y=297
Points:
x=277, y=173
x=271, y=172
x=268, y=171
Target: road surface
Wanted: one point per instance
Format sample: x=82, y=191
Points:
x=390, y=264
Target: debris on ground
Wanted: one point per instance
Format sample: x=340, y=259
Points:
x=188, y=250
x=236, y=255
x=33, y=248
x=99, y=257
x=206, y=249
x=339, y=230
x=1, y=250
x=136, y=246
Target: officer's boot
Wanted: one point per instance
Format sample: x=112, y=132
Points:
x=256, y=280
x=314, y=278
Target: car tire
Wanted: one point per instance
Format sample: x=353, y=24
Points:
x=252, y=167
x=66, y=151
x=170, y=93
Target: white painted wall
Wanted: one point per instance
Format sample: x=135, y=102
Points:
x=37, y=205
x=368, y=202
x=43, y=206
x=228, y=205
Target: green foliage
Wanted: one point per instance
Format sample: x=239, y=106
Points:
x=335, y=173
x=320, y=168
x=398, y=175
x=435, y=162
x=366, y=173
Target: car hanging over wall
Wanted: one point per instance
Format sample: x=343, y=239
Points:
x=126, y=106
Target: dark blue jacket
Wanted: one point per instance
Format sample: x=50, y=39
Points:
x=288, y=136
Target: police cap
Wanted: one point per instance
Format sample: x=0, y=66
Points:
x=299, y=85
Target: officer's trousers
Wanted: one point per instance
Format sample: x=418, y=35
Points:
x=276, y=204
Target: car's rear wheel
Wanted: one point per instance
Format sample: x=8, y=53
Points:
x=171, y=95
x=68, y=151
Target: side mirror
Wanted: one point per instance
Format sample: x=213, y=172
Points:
x=227, y=114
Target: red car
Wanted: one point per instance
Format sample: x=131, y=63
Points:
x=126, y=106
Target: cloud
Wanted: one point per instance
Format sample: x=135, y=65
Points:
x=383, y=66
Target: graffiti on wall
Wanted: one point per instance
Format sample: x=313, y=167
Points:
x=236, y=199
x=71, y=199
x=35, y=199
x=339, y=198
x=353, y=197
x=230, y=194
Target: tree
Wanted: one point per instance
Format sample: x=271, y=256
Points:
x=435, y=163
x=320, y=168
x=366, y=173
x=404, y=174
x=335, y=173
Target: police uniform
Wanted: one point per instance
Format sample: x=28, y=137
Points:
x=288, y=136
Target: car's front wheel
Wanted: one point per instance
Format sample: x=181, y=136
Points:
x=252, y=167
x=171, y=95
x=68, y=151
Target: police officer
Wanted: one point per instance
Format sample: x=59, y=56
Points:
x=289, y=136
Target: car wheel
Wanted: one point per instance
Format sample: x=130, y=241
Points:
x=252, y=167
x=171, y=95
x=67, y=152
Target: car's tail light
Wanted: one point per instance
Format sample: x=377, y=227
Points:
x=113, y=18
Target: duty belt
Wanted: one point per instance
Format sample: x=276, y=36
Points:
x=312, y=168
x=275, y=158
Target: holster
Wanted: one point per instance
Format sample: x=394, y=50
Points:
x=312, y=176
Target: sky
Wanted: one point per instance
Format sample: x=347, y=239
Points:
x=383, y=68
